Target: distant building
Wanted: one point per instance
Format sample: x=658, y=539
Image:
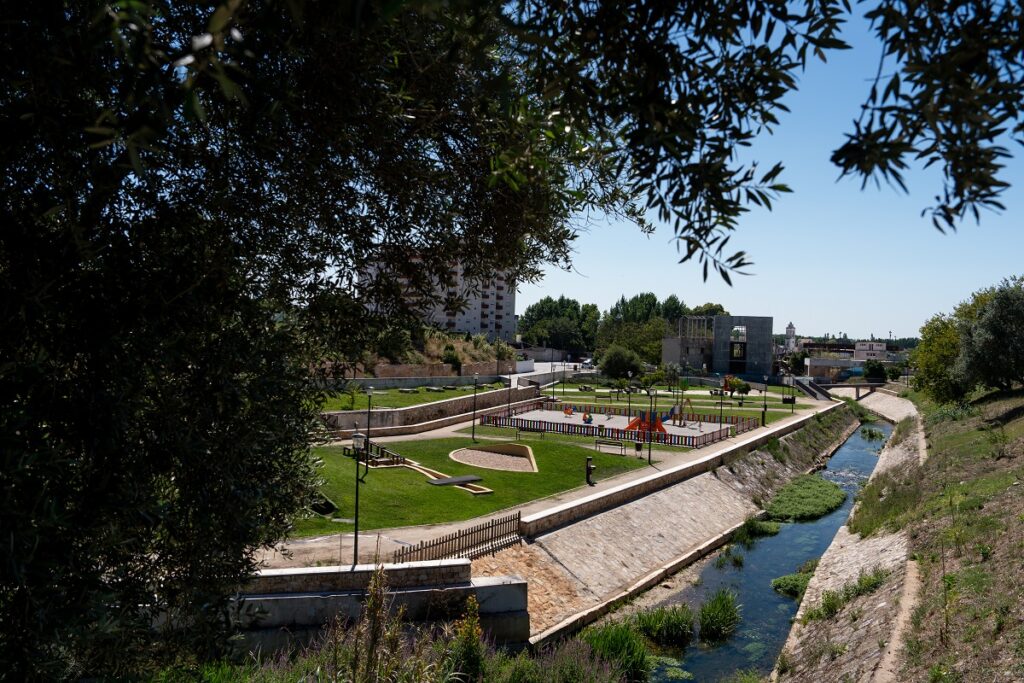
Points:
x=870, y=350
x=790, y=338
x=723, y=344
x=488, y=308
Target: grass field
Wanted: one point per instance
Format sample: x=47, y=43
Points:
x=393, y=398
x=400, y=497
x=530, y=437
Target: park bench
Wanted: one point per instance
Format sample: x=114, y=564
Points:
x=584, y=387
x=610, y=442
x=408, y=391
x=434, y=389
x=534, y=430
x=454, y=481
x=450, y=387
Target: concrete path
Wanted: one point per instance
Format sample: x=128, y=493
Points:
x=326, y=550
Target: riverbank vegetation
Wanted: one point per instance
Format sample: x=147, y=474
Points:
x=831, y=602
x=795, y=584
x=962, y=510
x=806, y=497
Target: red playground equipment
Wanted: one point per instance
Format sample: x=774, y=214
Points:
x=646, y=422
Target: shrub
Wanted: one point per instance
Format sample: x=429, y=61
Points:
x=719, y=616
x=574, y=661
x=451, y=356
x=754, y=528
x=806, y=497
x=467, y=650
x=623, y=646
x=792, y=585
x=667, y=626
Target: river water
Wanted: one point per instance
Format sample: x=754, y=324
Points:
x=767, y=615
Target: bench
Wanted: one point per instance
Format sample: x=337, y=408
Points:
x=610, y=442
x=584, y=387
x=408, y=391
x=434, y=389
x=450, y=387
x=533, y=430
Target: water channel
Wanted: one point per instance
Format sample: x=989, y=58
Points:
x=767, y=615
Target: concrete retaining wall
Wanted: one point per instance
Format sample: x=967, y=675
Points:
x=384, y=418
x=413, y=382
x=567, y=513
x=284, y=607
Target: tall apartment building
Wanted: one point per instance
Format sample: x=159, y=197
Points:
x=489, y=308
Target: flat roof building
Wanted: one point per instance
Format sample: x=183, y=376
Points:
x=722, y=344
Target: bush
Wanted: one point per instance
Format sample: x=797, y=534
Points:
x=623, y=646
x=451, y=356
x=573, y=661
x=667, y=626
x=754, y=528
x=467, y=650
x=719, y=616
x=806, y=497
x=792, y=585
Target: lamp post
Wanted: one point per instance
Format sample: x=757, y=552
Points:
x=650, y=422
x=721, y=399
x=508, y=401
x=476, y=377
x=366, y=449
x=563, y=380
x=764, y=405
x=629, y=396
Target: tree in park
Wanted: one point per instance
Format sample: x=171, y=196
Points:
x=874, y=370
x=893, y=372
x=991, y=346
x=203, y=202
x=935, y=357
x=618, y=362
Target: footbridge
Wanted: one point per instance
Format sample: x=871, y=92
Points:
x=864, y=388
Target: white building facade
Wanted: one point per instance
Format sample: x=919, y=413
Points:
x=490, y=307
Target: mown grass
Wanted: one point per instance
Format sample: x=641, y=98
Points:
x=393, y=398
x=400, y=497
x=806, y=497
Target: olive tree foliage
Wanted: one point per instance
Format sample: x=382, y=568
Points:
x=201, y=204
x=949, y=91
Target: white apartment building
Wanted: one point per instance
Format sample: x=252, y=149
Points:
x=490, y=307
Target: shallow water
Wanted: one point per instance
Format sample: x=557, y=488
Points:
x=767, y=615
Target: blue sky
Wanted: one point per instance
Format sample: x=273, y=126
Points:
x=830, y=256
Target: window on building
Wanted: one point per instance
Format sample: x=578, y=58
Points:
x=739, y=333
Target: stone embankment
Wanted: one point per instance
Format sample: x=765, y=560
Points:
x=580, y=571
x=861, y=642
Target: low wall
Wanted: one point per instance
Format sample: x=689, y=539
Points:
x=293, y=605
x=421, y=427
x=384, y=418
x=414, y=382
x=357, y=577
x=567, y=513
x=524, y=366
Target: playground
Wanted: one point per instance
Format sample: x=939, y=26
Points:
x=638, y=422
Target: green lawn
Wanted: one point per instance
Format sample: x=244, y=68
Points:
x=393, y=398
x=401, y=497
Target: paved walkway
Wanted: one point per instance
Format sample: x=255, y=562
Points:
x=326, y=550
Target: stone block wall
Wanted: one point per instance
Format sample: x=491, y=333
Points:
x=348, y=577
x=426, y=412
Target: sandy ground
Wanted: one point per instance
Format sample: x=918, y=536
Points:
x=615, y=421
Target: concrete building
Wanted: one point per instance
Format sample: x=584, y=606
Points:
x=870, y=350
x=723, y=344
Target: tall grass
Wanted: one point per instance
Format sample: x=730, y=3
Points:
x=667, y=626
x=754, y=528
x=719, y=616
x=623, y=646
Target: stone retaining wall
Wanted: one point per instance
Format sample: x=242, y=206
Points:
x=543, y=522
x=348, y=577
x=384, y=418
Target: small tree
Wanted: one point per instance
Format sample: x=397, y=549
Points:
x=618, y=362
x=893, y=372
x=874, y=370
x=671, y=373
x=451, y=356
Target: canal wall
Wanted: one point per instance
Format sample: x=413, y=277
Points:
x=581, y=569
x=862, y=641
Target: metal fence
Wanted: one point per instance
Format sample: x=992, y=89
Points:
x=476, y=541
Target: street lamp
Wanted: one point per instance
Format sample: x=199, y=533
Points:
x=508, y=402
x=476, y=377
x=366, y=449
x=764, y=406
x=721, y=398
x=563, y=380
x=650, y=422
x=629, y=396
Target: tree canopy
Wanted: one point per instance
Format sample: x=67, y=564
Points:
x=207, y=205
